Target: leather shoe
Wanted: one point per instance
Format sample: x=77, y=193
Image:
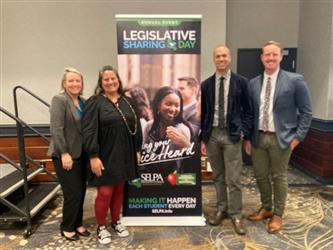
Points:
x=75, y=237
x=261, y=214
x=275, y=224
x=239, y=226
x=85, y=233
x=218, y=217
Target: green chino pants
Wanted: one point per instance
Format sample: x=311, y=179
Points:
x=270, y=164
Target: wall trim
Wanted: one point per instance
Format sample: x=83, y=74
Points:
x=322, y=125
x=10, y=130
x=325, y=181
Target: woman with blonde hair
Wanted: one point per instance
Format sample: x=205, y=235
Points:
x=67, y=154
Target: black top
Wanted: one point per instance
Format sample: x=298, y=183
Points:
x=106, y=135
x=239, y=113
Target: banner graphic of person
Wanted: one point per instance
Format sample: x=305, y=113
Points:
x=159, y=64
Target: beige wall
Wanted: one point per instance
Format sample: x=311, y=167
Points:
x=40, y=38
x=330, y=87
x=315, y=54
x=306, y=24
x=250, y=23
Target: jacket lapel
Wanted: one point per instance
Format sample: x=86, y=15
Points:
x=257, y=89
x=279, y=83
x=231, y=91
x=212, y=91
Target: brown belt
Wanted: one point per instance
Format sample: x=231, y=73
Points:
x=267, y=132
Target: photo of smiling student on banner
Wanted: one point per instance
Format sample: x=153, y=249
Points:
x=168, y=131
x=168, y=122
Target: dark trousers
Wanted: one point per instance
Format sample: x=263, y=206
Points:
x=73, y=184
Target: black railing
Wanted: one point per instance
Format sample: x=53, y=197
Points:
x=6, y=159
x=45, y=190
x=17, y=112
x=21, y=147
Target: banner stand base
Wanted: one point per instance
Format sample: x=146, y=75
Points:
x=164, y=221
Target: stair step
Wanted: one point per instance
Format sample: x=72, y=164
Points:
x=39, y=195
x=6, y=169
x=14, y=180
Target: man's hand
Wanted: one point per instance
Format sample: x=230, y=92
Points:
x=247, y=147
x=294, y=143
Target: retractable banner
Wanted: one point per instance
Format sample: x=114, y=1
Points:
x=159, y=65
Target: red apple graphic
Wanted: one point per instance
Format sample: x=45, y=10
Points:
x=172, y=178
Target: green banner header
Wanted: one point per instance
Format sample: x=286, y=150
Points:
x=159, y=20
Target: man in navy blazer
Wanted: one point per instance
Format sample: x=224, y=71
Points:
x=282, y=117
x=226, y=117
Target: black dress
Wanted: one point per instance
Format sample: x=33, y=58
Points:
x=106, y=135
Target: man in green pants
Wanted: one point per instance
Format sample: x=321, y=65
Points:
x=282, y=117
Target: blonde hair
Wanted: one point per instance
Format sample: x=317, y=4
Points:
x=70, y=70
x=277, y=44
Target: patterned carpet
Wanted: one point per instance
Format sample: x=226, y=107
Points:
x=308, y=224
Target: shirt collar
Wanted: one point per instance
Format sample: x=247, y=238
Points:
x=226, y=76
x=272, y=76
x=190, y=104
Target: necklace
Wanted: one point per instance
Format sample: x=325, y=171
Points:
x=116, y=105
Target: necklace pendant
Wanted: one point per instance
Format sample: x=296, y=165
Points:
x=116, y=105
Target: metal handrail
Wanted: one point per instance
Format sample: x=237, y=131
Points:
x=11, y=162
x=23, y=160
x=39, y=165
x=29, y=92
x=17, y=113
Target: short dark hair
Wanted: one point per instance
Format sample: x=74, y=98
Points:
x=191, y=81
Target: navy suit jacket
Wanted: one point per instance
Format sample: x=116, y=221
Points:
x=292, y=108
x=239, y=113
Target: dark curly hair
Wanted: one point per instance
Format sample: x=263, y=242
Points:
x=99, y=89
x=141, y=102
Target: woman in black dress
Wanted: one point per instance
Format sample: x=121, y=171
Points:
x=112, y=139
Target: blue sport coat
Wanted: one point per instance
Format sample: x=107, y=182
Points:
x=292, y=108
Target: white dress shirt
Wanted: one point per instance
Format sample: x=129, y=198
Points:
x=271, y=126
x=226, y=84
